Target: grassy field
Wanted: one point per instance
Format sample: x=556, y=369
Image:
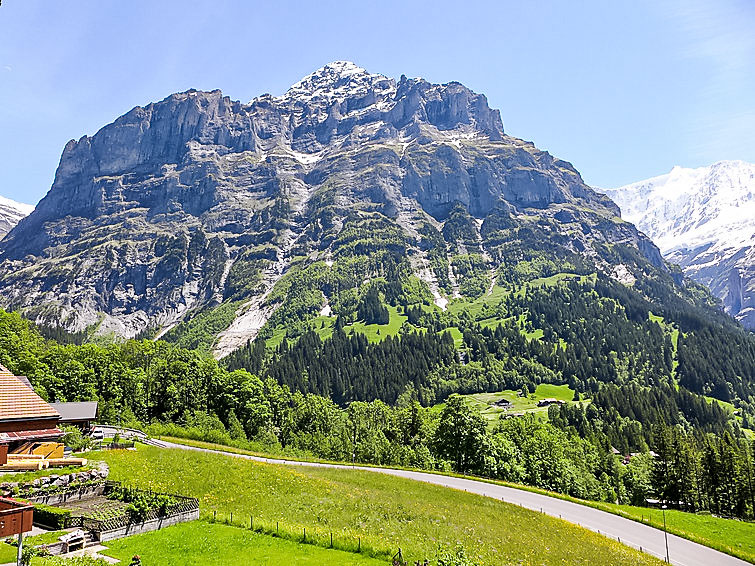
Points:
x=456, y=335
x=728, y=535
x=673, y=331
x=477, y=307
x=485, y=402
x=376, y=332
x=201, y=543
x=731, y=536
x=386, y=512
x=323, y=325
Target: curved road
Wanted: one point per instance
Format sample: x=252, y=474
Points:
x=682, y=552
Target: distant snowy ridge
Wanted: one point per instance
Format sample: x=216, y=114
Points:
x=704, y=220
x=11, y=212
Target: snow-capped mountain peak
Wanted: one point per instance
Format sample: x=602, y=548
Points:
x=11, y=212
x=693, y=207
x=704, y=220
x=337, y=81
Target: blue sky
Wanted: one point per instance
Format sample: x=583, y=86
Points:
x=623, y=90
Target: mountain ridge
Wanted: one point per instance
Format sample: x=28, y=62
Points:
x=198, y=201
x=704, y=220
x=11, y=213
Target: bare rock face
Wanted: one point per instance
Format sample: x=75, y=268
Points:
x=198, y=200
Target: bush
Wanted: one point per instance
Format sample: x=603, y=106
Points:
x=457, y=557
x=74, y=439
x=142, y=502
x=52, y=517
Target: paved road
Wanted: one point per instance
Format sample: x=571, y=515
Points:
x=631, y=533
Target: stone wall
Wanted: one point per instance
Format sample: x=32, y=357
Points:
x=55, y=499
x=35, y=488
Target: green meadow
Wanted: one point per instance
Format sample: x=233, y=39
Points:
x=377, y=512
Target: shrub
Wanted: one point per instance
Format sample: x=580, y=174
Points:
x=142, y=502
x=74, y=439
x=52, y=517
x=457, y=557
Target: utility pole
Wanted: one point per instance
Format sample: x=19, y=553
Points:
x=665, y=533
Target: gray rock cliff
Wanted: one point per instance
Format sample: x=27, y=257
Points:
x=198, y=200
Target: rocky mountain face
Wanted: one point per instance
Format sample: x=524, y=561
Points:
x=249, y=216
x=704, y=220
x=11, y=212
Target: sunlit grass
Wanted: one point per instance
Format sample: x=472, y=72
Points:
x=384, y=511
x=206, y=544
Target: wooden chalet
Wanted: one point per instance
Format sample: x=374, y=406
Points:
x=24, y=416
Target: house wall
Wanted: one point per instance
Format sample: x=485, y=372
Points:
x=24, y=425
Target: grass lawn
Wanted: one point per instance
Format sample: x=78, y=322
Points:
x=376, y=332
x=386, y=512
x=485, y=402
x=201, y=543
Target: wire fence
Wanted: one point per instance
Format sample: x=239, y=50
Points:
x=315, y=536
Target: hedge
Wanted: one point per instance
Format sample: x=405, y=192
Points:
x=51, y=517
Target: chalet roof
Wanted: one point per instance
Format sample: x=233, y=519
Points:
x=18, y=401
x=82, y=411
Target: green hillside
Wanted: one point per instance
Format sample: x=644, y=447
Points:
x=385, y=512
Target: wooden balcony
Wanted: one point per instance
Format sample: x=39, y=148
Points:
x=15, y=517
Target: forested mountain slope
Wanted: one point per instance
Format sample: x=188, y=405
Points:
x=358, y=239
